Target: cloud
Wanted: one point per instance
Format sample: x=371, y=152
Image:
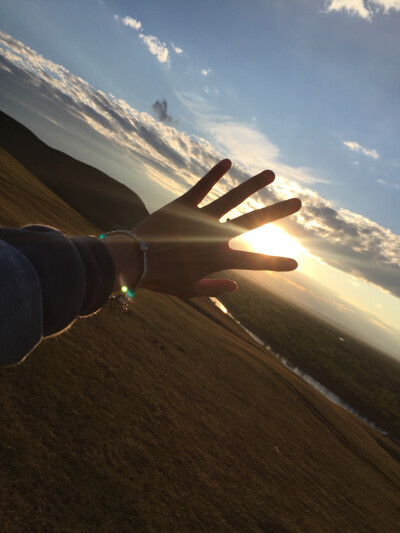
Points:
x=160, y=109
x=243, y=142
x=176, y=49
x=345, y=240
x=131, y=23
x=156, y=47
x=211, y=90
x=355, y=147
x=386, y=5
x=365, y=9
x=389, y=184
x=353, y=7
x=206, y=71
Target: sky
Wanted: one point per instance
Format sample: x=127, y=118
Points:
x=154, y=93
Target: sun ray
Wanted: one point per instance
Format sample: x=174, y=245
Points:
x=272, y=240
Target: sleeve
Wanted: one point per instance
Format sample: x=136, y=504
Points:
x=47, y=280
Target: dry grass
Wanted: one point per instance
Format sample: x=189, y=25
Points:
x=174, y=420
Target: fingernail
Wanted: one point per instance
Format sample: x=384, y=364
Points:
x=297, y=203
x=266, y=177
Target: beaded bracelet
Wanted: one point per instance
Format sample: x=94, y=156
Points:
x=127, y=292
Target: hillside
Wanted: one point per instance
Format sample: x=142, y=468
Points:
x=173, y=419
x=363, y=377
x=100, y=199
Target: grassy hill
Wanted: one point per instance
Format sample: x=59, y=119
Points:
x=100, y=199
x=173, y=419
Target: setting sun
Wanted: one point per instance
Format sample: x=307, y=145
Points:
x=273, y=240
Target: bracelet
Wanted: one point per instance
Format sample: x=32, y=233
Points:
x=143, y=247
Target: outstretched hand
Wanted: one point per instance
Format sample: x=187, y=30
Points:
x=188, y=243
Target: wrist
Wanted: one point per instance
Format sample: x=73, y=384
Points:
x=127, y=259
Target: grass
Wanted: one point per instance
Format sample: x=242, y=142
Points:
x=173, y=419
x=363, y=377
x=99, y=198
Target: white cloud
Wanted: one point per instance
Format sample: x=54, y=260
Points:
x=243, y=142
x=353, y=7
x=175, y=160
x=356, y=147
x=211, y=90
x=363, y=8
x=390, y=184
x=156, y=47
x=132, y=23
x=387, y=5
x=206, y=71
x=176, y=49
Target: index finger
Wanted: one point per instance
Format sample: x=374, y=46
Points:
x=199, y=191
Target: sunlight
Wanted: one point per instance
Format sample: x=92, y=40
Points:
x=273, y=240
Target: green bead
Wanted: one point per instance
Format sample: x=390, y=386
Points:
x=131, y=293
x=103, y=236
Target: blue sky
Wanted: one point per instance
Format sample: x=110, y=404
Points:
x=310, y=79
x=308, y=88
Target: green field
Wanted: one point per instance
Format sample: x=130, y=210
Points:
x=174, y=419
x=366, y=379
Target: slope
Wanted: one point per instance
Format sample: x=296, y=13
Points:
x=104, y=201
x=154, y=424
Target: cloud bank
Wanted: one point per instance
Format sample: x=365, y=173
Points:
x=175, y=160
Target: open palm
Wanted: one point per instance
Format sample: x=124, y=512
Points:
x=188, y=243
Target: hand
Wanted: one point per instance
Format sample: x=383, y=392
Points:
x=187, y=243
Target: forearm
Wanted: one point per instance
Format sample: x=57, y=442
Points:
x=74, y=276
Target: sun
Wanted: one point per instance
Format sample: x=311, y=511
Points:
x=273, y=240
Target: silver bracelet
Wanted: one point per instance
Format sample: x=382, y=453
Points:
x=143, y=247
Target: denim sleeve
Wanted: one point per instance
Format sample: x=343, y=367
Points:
x=47, y=280
x=21, y=312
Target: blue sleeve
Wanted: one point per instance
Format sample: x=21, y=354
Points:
x=46, y=281
x=21, y=323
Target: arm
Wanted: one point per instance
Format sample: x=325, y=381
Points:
x=47, y=279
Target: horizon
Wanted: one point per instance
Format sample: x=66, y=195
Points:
x=158, y=132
